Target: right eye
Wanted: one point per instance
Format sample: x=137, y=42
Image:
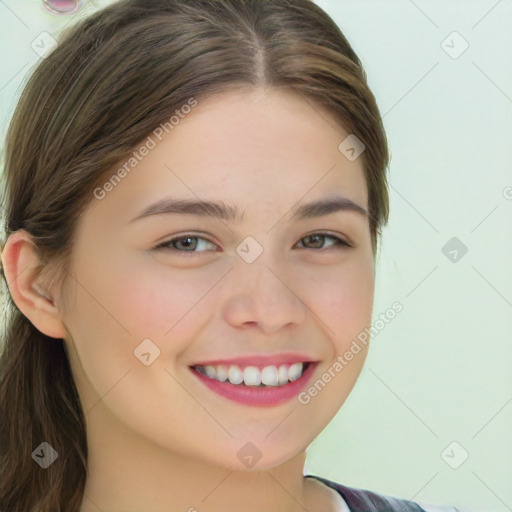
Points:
x=191, y=243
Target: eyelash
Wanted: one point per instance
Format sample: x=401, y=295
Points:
x=165, y=246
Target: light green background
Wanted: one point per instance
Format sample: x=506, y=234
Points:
x=441, y=370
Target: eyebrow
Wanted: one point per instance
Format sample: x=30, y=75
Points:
x=230, y=213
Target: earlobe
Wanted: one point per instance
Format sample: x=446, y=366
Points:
x=22, y=266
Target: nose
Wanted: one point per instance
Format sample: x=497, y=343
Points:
x=263, y=294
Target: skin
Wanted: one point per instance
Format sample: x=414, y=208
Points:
x=158, y=438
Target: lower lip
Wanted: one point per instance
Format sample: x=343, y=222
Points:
x=262, y=397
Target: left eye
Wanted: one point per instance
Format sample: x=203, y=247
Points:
x=191, y=242
x=319, y=238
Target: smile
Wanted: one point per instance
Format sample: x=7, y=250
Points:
x=266, y=386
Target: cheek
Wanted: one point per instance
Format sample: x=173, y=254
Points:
x=128, y=307
x=128, y=303
x=164, y=304
x=341, y=298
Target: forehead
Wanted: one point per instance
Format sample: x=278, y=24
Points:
x=264, y=147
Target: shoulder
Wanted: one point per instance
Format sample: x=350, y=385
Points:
x=364, y=500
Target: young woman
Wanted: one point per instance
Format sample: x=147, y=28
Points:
x=194, y=196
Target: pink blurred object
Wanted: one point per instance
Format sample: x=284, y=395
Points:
x=62, y=6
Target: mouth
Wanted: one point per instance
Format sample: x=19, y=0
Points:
x=254, y=376
x=263, y=386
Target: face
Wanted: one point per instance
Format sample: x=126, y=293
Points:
x=266, y=283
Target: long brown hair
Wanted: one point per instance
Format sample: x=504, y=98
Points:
x=113, y=78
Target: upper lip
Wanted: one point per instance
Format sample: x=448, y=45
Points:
x=259, y=360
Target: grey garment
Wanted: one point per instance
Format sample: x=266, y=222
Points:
x=363, y=500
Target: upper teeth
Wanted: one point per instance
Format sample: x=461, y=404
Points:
x=252, y=375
